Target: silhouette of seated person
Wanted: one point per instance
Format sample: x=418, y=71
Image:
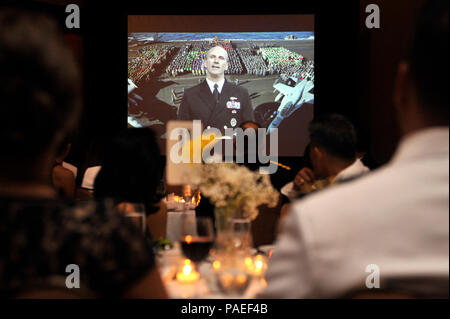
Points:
x=389, y=229
x=41, y=234
x=130, y=175
x=330, y=156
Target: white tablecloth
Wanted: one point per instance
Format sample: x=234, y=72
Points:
x=206, y=287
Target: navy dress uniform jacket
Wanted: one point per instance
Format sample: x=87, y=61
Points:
x=232, y=109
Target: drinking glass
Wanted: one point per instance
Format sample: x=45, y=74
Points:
x=240, y=232
x=197, y=237
x=232, y=274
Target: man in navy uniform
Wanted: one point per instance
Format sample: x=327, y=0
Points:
x=216, y=102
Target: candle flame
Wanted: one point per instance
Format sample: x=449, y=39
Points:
x=216, y=265
x=248, y=261
x=187, y=273
x=188, y=239
x=187, y=269
x=256, y=265
x=178, y=199
x=259, y=264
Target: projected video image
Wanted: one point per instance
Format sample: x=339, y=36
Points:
x=275, y=68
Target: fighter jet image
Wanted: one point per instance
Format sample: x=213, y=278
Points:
x=131, y=86
x=133, y=103
x=292, y=99
x=132, y=97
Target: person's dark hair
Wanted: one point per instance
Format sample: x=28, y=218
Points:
x=39, y=85
x=131, y=169
x=335, y=134
x=428, y=57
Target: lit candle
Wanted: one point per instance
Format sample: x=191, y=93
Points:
x=256, y=266
x=249, y=263
x=216, y=265
x=188, y=274
x=233, y=282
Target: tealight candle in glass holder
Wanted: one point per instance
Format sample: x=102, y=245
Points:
x=187, y=273
x=231, y=273
x=256, y=266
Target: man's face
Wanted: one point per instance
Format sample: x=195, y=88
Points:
x=216, y=61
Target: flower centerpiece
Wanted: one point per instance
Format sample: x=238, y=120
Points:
x=233, y=189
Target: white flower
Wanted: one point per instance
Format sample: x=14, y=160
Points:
x=228, y=185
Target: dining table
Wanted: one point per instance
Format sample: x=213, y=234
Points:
x=206, y=286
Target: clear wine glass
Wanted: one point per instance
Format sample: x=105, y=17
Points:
x=232, y=275
x=197, y=238
x=240, y=231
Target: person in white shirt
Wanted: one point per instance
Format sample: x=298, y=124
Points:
x=386, y=232
x=332, y=153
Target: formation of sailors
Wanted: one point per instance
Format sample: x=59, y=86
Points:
x=194, y=63
x=254, y=64
x=255, y=60
x=177, y=64
x=284, y=61
x=234, y=64
x=280, y=56
x=145, y=64
x=299, y=71
x=189, y=59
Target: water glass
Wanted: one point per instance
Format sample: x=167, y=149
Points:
x=240, y=232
